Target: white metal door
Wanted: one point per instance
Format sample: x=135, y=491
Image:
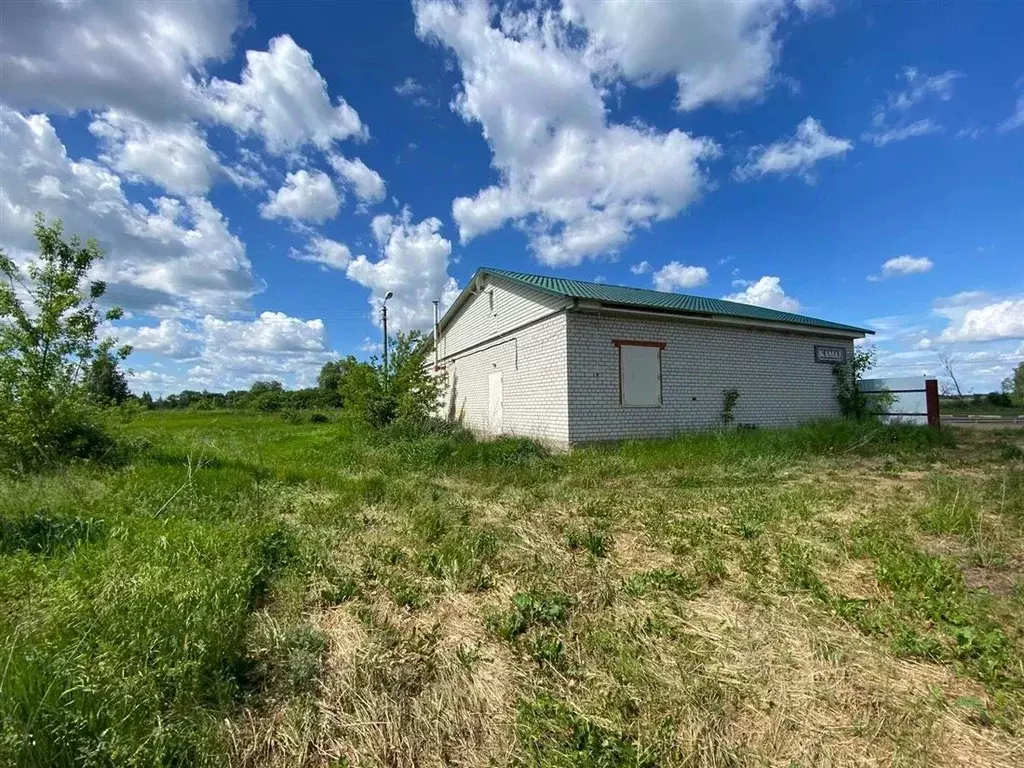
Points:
x=494, y=405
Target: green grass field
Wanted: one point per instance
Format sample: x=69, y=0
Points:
x=254, y=592
x=953, y=407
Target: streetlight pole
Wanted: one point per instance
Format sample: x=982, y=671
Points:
x=384, y=318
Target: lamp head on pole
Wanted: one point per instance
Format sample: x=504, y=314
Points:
x=388, y=295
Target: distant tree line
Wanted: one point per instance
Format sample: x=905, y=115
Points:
x=1011, y=393
x=405, y=391
x=997, y=399
x=267, y=396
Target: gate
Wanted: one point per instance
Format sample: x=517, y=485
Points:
x=914, y=400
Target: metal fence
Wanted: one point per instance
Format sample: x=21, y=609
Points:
x=914, y=400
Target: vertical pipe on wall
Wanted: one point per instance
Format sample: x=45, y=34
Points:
x=437, y=341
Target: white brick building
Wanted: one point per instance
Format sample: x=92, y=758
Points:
x=570, y=362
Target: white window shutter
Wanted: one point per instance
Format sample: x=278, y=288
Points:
x=640, y=372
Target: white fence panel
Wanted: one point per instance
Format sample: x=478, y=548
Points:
x=909, y=400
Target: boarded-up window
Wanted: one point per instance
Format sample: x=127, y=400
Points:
x=639, y=373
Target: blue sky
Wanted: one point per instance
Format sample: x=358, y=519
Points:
x=260, y=175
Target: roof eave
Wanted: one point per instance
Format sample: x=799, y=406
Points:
x=481, y=272
x=836, y=329
x=461, y=299
x=750, y=322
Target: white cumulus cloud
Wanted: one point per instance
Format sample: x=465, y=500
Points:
x=170, y=338
x=917, y=87
x=641, y=269
x=766, y=292
x=799, y=154
x=304, y=196
x=892, y=121
x=122, y=54
x=172, y=155
x=903, y=265
x=367, y=184
x=413, y=264
x=230, y=353
x=902, y=133
x=408, y=87
x=577, y=184
x=995, y=320
x=270, y=333
x=1016, y=120
x=324, y=251
x=716, y=52
x=674, y=275
x=166, y=253
x=283, y=99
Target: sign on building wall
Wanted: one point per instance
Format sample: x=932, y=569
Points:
x=831, y=355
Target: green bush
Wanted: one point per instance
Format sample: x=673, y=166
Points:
x=33, y=437
x=48, y=343
x=531, y=609
x=556, y=736
x=853, y=402
x=402, y=391
x=293, y=417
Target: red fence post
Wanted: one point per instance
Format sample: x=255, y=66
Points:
x=931, y=396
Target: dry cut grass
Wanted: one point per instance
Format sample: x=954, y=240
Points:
x=657, y=618
x=834, y=596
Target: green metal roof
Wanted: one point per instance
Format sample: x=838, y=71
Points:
x=622, y=296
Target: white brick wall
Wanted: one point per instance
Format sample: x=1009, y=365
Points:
x=499, y=307
x=778, y=381
x=560, y=371
x=533, y=365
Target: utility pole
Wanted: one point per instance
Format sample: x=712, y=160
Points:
x=384, y=318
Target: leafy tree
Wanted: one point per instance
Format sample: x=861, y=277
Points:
x=146, y=400
x=48, y=335
x=1001, y=399
x=1017, y=383
x=359, y=384
x=413, y=387
x=406, y=391
x=853, y=402
x=260, y=387
x=105, y=381
x=265, y=396
x=329, y=382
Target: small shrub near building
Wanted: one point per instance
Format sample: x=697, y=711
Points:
x=855, y=403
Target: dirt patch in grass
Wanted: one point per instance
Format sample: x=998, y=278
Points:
x=1000, y=575
x=636, y=552
x=423, y=688
x=811, y=692
x=854, y=579
x=1002, y=581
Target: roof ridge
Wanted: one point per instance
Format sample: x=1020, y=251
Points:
x=663, y=300
x=603, y=285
